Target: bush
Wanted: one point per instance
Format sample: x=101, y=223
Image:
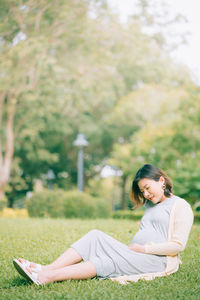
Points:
x=13, y=213
x=129, y=214
x=138, y=214
x=196, y=216
x=46, y=204
x=197, y=206
x=3, y=203
x=81, y=205
x=71, y=204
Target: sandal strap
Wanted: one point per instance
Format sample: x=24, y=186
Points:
x=34, y=276
x=27, y=263
x=26, y=272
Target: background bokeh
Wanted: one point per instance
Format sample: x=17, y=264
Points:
x=73, y=66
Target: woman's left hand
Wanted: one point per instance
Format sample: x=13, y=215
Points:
x=137, y=248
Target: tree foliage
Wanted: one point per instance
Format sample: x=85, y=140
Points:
x=71, y=66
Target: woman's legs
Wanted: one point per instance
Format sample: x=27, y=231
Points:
x=83, y=270
x=66, y=266
x=69, y=257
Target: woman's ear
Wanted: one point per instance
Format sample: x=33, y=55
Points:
x=162, y=179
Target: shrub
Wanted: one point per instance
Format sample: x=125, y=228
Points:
x=197, y=206
x=197, y=216
x=128, y=214
x=3, y=203
x=81, y=205
x=71, y=204
x=13, y=213
x=46, y=204
x=138, y=214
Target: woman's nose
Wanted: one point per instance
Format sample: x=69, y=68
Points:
x=146, y=193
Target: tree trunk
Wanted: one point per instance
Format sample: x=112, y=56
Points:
x=123, y=197
x=2, y=194
x=6, y=150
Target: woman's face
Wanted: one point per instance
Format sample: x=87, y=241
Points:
x=152, y=190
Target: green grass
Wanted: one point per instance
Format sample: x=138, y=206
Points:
x=42, y=240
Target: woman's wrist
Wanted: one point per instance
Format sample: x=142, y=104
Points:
x=137, y=248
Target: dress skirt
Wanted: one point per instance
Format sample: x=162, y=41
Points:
x=112, y=258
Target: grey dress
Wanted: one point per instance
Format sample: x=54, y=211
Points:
x=112, y=258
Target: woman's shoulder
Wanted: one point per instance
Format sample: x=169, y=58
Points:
x=180, y=200
x=183, y=210
x=181, y=204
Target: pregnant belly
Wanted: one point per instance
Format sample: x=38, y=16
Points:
x=145, y=236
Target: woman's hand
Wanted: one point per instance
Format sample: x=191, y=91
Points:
x=137, y=248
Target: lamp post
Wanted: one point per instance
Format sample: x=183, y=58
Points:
x=50, y=177
x=80, y=142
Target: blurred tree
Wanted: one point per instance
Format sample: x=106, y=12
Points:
x=159, y=21
x=186, y=141
x=28, y=31
x=121, y=157
x=69, y=67
x=174, y=145
x=151, y=112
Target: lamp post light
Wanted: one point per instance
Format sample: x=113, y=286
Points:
x=80, y=142
x=50, y=177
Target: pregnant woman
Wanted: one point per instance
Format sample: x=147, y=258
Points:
x=154, y=250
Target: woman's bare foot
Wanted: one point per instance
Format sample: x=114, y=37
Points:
x=43, y=278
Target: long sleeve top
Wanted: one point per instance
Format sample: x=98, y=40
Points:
x=180, y=223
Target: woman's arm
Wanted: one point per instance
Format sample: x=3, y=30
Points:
x=137, y=248
x=183, y=219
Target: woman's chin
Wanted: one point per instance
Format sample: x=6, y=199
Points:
x=154, y=200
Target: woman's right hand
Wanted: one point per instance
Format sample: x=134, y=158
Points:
x=137, y=248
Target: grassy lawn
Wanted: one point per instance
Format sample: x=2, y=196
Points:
x=43, y=240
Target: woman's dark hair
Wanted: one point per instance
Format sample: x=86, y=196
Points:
x=151, y=172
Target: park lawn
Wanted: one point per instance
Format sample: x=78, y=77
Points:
x=42, y=240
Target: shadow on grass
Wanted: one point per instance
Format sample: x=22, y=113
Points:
x=17, y=282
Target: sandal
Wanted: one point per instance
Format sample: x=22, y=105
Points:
x=26, y=263
x=32, y=276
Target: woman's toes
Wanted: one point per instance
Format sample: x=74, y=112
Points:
x=32, y=265
x=29, y=270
